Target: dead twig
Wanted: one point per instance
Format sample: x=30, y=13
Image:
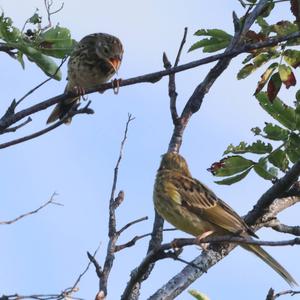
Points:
x=50, y=201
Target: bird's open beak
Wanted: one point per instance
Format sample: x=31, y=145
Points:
x=115, y=63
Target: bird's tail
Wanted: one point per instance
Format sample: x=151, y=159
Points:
x=61, y=109
x=268, y=259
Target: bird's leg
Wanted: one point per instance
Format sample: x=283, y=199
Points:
x=201, y=237
x=116, y=85
x=80, y=91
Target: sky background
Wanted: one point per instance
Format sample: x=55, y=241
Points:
x=46, y=252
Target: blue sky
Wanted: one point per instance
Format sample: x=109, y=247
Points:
x=45, y=253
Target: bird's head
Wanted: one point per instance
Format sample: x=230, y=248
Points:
x=110, y=49
x=174, y=162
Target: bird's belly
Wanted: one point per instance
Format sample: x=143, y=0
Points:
x=89, y=77
x=183, y=219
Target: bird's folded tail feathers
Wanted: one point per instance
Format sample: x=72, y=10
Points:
x=268, y=259
x=60, y=110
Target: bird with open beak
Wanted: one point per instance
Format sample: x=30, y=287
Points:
x=94, y=60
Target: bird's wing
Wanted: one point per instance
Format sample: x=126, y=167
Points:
x=199, y=199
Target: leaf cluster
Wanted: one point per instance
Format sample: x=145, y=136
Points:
x=37, y=44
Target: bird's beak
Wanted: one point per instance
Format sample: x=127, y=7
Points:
x=115, y=62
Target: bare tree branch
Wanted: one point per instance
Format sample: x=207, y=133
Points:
x=113, y=234
x=50, y=201
x=72, y=113
x=272, y=296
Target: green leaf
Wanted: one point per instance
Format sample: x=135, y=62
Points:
x=275, y=132
x=233, y=179
x=279, y=159
x=217, y=33
x=262, y=170
x=246, y=71
x=284, y=28
x=35, y=19
x=197, y=295
x=218, y=39
x=281, y=112
x=293, y=147
x=44, y=62
x=258, y=147
x=230, y=165
x=265, y=27
x=56, y=42
x=292, y=57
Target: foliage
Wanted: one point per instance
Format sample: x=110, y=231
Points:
x=283, y=60
x=237, y=166
x=38, y=44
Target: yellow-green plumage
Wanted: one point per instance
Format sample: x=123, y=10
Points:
x=192, y=207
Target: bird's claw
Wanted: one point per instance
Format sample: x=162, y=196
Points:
x=116, y=85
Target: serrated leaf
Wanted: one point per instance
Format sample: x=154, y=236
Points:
x=292, y=57
x=293, y=148
x=279, y=159
x=233, y=179
x=275, y=132
x=263, y=171
x=257, y=147
x=197, y=295
x=230, y=166
x=287, y=76
x=274, y=86
x=281, y=112
x=218, y=39
x=265, y=77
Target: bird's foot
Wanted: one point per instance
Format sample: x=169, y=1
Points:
x=80, y=91
x=201, y=237
x=116, y=85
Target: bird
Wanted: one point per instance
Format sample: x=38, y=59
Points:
x=94, y=60
x=192, y=207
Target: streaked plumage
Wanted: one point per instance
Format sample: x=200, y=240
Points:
x=192, y=207
x=95, y=59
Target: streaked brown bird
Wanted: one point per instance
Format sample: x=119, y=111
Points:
x=192, y=207
x=94, y=60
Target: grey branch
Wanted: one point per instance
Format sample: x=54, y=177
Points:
x=50, y=201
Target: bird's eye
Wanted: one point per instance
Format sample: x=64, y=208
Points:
x=105, y=50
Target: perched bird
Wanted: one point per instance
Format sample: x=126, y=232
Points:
x=94, y=60
x=192, y=207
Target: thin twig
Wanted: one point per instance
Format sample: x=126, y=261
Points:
x=113, y=234
x=130, y=224
x=42, y=83
x=50, y=201
x=15, y=128
x=131, y=242
x=84, y=110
